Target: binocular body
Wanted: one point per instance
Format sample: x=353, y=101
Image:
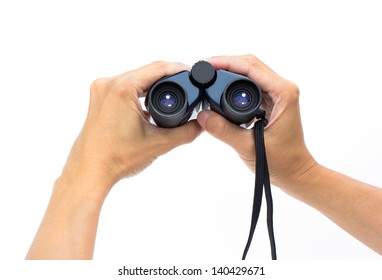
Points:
x=172, y=99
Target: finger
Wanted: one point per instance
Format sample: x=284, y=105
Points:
x=250, y=66
x=143, y=78
x=238, y=138
x=174, y=137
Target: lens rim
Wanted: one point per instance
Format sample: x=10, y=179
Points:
x=168, y=88
x=238, y=114
x=244, y=86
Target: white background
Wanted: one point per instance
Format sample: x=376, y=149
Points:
x=195, y=202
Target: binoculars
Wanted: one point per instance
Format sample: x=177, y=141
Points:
x=172, y=99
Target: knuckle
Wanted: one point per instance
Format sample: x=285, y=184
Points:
x=251, y=59
x=123, y=85
x=292, y=91
x=160, y=65
x=125, y=89
x=98, y=86
x=105, y=86
x=253, y=63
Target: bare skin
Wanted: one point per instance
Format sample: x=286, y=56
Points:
x=117, y=141
x=353, y=205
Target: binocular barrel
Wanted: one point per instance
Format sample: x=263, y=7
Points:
x=172, y=99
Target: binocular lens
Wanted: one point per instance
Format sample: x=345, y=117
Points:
x=168, y=101
x=241, y=98
x=240, y=101
x=242, y=95
x=168, y=98
x=167, y=104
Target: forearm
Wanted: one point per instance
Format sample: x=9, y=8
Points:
x=68, y=229
x=117, y=141
x=353, y=205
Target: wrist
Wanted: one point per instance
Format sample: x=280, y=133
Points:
x=70, y=223
x=83, y=186
x=302, y=175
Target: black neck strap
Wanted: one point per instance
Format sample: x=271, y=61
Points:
x=262, y=180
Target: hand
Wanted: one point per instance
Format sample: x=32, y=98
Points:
x=287, y=154
x=117, y=139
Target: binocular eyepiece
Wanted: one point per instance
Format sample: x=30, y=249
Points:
x=172, y=99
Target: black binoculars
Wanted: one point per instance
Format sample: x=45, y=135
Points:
x=172, y=99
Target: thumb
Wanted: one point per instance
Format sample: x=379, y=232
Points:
x=174, y=137
x=240, y=139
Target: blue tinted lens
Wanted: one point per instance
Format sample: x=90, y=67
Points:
x=241, y=98
x=168, y=101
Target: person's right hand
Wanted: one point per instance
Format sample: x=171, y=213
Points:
x=288, y=158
